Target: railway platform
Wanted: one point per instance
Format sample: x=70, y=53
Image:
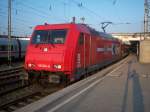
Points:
x=122, y=87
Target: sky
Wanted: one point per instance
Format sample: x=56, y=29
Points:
x=127, y=16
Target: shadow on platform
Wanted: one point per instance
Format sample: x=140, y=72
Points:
x=138, y=103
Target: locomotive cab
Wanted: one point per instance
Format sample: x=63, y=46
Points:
x=48, y=51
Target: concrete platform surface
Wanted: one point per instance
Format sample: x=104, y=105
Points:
x=125, y=89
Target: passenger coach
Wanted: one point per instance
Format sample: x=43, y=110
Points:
x=18, y=48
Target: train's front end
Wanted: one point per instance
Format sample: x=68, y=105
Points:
x=46, y=53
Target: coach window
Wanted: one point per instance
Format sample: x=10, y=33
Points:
x=12, y=47
x=81, y=39
x=4, y=48
x=0, y=48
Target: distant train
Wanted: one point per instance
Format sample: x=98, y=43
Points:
x=66, y=52
x=18, y=48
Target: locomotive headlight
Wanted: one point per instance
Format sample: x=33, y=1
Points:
x=57, y=66
x=31, y=65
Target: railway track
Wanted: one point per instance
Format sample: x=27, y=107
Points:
x=21, y=101
x=16, y=92
x=26, y=96
x=12, y=79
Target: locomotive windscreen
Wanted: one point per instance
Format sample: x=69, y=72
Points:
x=49, y=36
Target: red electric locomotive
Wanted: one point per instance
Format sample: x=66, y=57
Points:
x=65, y=52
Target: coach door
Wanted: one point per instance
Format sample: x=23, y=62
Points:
x=86, y=50
x=83, y=51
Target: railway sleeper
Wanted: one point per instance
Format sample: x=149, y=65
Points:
x=13, y=107
x=30, y=100
x=9, y=82
x=21, y=104
x=3, y=73
x=10, y=88
x=16, y=101
x=9, y=76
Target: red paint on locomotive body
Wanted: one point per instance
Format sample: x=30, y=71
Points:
x=70, y=49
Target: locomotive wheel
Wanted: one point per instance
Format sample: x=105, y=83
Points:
x=43, y=82
x=65, y=80
x=32, y=78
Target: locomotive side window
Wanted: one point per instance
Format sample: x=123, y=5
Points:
x=5, y=48
x=81, y=39
x=49, y=36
